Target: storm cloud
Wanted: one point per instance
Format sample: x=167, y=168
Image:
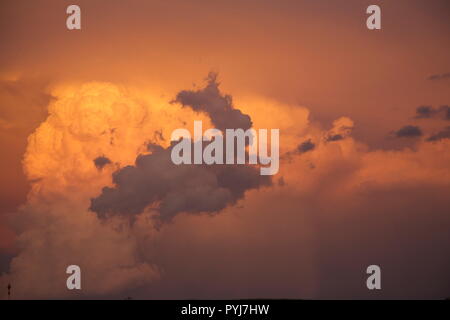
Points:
x=174, y=188
x=171, y=189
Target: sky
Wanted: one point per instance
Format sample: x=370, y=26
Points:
x=85, y=123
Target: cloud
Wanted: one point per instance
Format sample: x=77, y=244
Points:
x=171, y=189
x=444, y=134
x=314, y=236
x=174, y=189
x=306, y=146
x=101, y=161
x=217, y=106
x=408, y=131
x=334, y=137
x=331, y=216
x=54, y=228
x=440, y=76
x=427, y=112
x=341, y=129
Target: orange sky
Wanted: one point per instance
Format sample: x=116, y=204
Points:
x=309, y=68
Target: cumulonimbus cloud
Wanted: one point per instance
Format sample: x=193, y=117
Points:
x=308, y=213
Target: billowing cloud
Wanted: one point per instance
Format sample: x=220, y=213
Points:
x=368, y=200
x=171, y=189
x=366, y=193
x=54, y=228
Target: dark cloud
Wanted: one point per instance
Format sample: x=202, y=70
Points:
x=444, y=134
x=408, y=132
x=171, y=189
x=427, y=112
x=441, y=76
x=306, y=146
x=217, y=106
x=334, y=137
x=101, y=161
